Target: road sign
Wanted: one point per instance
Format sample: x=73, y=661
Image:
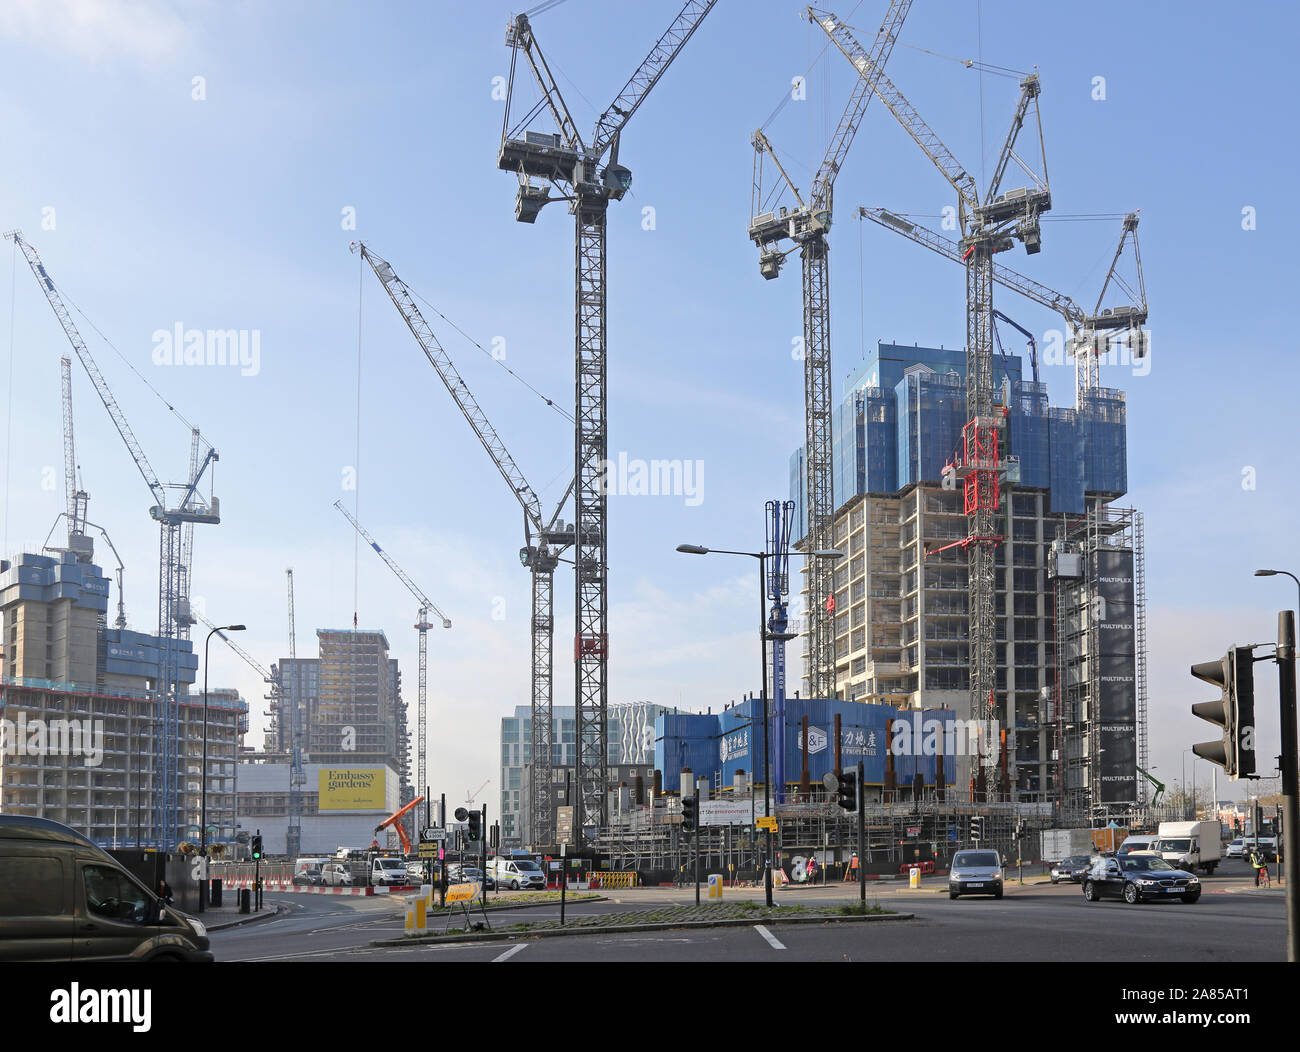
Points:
x=830, y=781
x=433, y=833
x=463, y=892
x=767, y=823
x=913, y=830
x=429, y=849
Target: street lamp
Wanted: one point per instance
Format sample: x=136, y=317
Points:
x=764, y=635
x=203, y=776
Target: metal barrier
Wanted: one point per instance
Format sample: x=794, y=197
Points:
x=615, y=880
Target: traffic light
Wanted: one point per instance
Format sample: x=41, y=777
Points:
x=846, y=791
x=1234, y=674
x=976, y=828
x=690, y=813
x=257, y=846
x=475, y=829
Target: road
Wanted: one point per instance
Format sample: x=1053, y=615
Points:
x=1036, y=922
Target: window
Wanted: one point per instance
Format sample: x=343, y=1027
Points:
x=112, y=894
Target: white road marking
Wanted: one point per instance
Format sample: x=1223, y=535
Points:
x=510, y=953
x=772, y=940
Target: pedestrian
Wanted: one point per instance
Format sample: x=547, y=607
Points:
x=165, y=892
x=812, y=869
x=1261, y=867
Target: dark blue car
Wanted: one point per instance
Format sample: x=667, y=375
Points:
x=1139, y=878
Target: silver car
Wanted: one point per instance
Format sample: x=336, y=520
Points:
x=975, y=872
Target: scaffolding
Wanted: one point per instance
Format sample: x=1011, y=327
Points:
x=1100, y=683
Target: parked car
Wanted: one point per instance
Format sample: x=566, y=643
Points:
x=1237, y=848
x=1071, y=869
x=309, y=877
x=1139, y=877
x=461, y=874
x=336, y=875
x=975, y=873
x=64, y=899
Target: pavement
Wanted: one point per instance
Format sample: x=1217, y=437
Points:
x=227, y=915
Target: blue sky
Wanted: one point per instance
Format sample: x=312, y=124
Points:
x=226, y=212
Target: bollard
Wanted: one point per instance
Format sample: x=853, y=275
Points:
x=914, y=877
x=416, y=913
x=715, y=886
x=244, y=896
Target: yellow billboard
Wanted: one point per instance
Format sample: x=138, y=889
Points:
x=351, y=789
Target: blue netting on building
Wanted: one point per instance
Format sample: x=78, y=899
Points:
x=904, y=430
x=847, y=467
x=1067, y=461
x=1105, y=417
x=931, y=415
x=880, y=430
x=1027, y=433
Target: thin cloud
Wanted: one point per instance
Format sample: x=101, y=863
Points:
x=97, y=30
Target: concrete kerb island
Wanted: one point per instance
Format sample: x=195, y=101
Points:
x=640, y=920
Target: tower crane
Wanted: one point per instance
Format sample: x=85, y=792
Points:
x=77, y=540
x=807, y=227
x=544, y=539
x=574, y=167
x=174, y=617
x=77, y=498
x=1091, y=333
x=990, y=224
x=422, y=626
x=297, y=776
x=471, y=794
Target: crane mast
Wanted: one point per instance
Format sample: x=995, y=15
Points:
x=575, y=168
x=422, y=626
x=297, y=776
x=807, y=227
x=174, y=616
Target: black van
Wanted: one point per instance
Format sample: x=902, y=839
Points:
x=64, y=899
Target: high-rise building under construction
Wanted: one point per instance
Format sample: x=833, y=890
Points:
x=351, y=698
x=1069, y=572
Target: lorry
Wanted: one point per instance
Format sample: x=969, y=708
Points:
x=1059, y=844
x=1190, y=845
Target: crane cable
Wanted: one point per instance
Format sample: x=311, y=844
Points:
x=567, y=416
x=356, y=469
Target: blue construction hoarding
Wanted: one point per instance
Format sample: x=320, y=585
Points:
x=732, y=741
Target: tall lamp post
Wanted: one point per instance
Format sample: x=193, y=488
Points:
x=1290, y=762
x=203, y=778
x=764, y=635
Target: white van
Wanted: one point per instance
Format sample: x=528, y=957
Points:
x=309, y=871
x=337, y=875
x=516, y=873
x=1137, y=842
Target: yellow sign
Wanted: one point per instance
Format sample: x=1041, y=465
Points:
x=463, y=892
x=767, y=823
x=351, y=789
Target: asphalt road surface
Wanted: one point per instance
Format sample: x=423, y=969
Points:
x=1036, y=922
